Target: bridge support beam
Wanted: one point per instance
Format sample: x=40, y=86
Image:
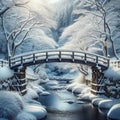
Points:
x=97, y=79
x=20, y=77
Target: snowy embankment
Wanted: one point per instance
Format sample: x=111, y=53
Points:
x=105, y=105
x=16, y=107
x=110, y=106
x=78, y=87
x=13, y=107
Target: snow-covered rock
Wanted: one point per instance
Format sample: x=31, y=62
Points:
x=114, y=113
x=45, y=93
x=34, y=86
x=31, y=94
x=37, y=110
x=84, y=97
x=78, y=88
x=105, y=105
x=96, y=101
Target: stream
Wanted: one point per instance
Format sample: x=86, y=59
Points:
x=63, y=105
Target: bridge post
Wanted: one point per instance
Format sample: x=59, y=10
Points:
x=97, y=78
x=20, y=82
x=9, y=61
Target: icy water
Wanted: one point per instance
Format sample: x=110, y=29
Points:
x=63, y=105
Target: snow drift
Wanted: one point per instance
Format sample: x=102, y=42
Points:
x=10, y=105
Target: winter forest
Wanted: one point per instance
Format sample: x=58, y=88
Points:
x=35, y=32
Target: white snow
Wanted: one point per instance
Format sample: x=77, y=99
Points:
x=11, y=104
x=30, y=74
x=5, y=73
x=67, y=26
x=96, y=101
x=105, y=105
x=15, y=107
x=37, y=110
x=78, y=84
x=45, y=93
x=113, y=73
x=31, y=94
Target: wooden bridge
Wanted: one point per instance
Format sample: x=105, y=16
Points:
x=20, y=62
x=40, y=57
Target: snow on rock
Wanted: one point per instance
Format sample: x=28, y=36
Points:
x=31, y=94
x=84, y=97
x=10, y=104
x=5, y=73
x=36, y=87
x=37, y=110
x=25, y=116
x=112, y=72
x=114, y=113
x=71, y=86
x=85, y=94
x=52, y=83
x=105, y=105
x=96, y=101
x=45, y=93
x=78, y=88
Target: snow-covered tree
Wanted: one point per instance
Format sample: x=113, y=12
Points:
x=104, y=17
x=5, y=6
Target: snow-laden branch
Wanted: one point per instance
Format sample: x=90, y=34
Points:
x=16, y=44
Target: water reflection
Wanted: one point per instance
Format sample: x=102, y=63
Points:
x=63, y=105
x=60, y=101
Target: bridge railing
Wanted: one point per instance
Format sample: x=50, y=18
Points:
x=60, y=55
x=3, y=63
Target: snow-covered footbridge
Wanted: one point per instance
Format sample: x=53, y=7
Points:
x=96, y=62
x=39, y=57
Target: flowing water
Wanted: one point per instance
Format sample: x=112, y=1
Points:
x=63, y=105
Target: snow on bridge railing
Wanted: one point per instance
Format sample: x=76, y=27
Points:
x=3, y=63
x=58, y=56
